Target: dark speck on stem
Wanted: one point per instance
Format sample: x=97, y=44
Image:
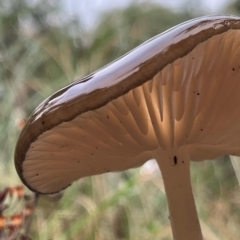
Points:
x=175, y=160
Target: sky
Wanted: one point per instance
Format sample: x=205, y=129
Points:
x=88, y=11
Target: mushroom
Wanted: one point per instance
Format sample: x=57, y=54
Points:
x=174, y=98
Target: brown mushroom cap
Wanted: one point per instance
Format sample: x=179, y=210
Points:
x=178, y=90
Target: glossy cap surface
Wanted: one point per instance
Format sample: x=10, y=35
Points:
x=179, y=89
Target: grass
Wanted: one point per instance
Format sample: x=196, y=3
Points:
x=132, y=205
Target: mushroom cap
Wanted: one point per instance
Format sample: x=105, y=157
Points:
x=178, y=90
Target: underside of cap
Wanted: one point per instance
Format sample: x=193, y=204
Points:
x=191, y=102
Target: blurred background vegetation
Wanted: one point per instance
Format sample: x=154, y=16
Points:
x=43, y=48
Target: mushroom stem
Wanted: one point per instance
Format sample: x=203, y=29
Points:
x=175, y=171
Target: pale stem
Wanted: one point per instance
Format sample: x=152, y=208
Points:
x=175, y=169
